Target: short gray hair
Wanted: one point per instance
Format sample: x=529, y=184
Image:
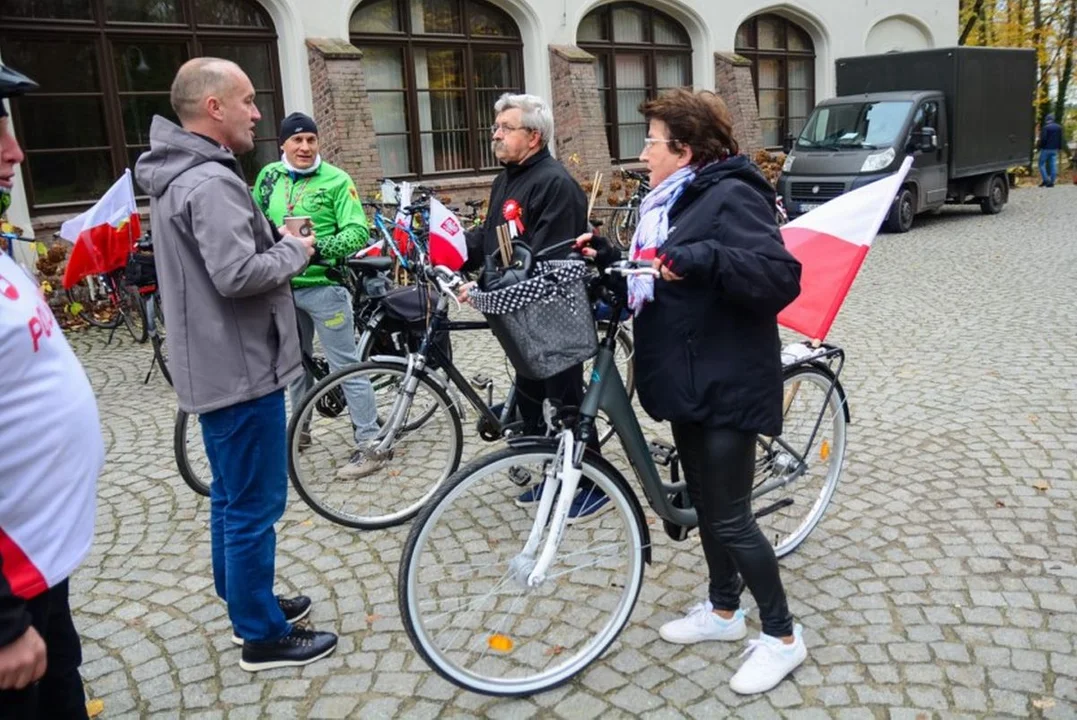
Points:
x=537, y=115
x=196, y=80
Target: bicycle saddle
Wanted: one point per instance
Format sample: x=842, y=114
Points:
x=370, y=264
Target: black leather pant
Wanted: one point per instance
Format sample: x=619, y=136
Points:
x=719, y=465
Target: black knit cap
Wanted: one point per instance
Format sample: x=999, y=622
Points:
x=296, y=123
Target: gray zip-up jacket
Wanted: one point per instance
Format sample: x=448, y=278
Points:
x=222, y=274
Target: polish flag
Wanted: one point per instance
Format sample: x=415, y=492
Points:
x=104, y=235
x=403, y=219
x=831, y=243
x=447, y=244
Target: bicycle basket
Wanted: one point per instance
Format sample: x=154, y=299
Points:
x=544, y=324
x=140, y=270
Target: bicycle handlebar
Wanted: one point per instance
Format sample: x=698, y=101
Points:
x=632, y=267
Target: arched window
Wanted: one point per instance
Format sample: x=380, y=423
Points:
x=640, y=52
x=434, y=69
x=783, y=70
x=105, y=68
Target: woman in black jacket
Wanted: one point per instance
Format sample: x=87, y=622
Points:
x=708, y=358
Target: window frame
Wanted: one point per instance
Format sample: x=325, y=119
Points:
x=783, y=55
x=408, y=42
x=649, y=49
x=103, y=35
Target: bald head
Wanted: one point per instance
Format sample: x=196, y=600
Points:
x=215, y=98
x=199, y=79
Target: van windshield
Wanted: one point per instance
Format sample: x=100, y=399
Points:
x=855, y=125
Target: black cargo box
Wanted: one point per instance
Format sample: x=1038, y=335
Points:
x=988, y=92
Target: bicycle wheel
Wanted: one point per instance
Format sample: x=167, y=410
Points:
x=790, y=494
x=190, y=453
x=133, y=312
x=462, y=587
x=622, y=355
x=425, y=451
x=157, y=336
x=623, y=226
x=89, y=301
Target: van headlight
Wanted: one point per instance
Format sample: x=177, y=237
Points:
x=878, y=161
x=788, y=164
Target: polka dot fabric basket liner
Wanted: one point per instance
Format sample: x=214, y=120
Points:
x=545, y=323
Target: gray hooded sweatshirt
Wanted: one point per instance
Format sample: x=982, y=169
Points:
x=222, y=274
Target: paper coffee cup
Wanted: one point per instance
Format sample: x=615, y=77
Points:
x=299, y=225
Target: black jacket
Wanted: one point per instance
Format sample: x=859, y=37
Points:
x=707, y=347
x=553, y=208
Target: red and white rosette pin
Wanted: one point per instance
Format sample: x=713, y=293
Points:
x=511, y=211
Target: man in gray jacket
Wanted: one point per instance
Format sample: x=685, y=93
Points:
x=233, y=347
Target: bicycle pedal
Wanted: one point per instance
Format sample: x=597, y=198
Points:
x=519, y=476
x=663, y=453
x=481, y=382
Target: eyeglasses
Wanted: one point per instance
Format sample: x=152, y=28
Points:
x=649, y=142
x=506, y=129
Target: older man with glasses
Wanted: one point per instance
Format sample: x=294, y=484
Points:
x=543, y=205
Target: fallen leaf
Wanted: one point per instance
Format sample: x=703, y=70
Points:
x=1000, y=504
x=372, y=618
x=923, y=716
x=556, y=650
x=1041, y=485
x=307, y=523
x=95, y=707
x=1043, y=703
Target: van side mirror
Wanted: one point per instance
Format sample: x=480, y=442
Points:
x=787, y=143
x=925, y=139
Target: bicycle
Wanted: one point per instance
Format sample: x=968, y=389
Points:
x=109, y=303
x=496, y=614
x=622, y=225
x=421, y=417
x=191, y=460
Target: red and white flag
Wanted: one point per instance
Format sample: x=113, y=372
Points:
x=403, y=219
x=447, y=244
x=104, y=235
x=831, y=243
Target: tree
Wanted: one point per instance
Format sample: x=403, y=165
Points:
x=1047, y=26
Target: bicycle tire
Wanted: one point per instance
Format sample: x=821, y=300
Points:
x=157, y=338
x=511, y=525
x=623, y=226
x=86, y=313
x=307, y=476
x=183, y=460
x=780, y=507
x=133, y=313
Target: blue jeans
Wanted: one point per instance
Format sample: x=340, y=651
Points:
x=328, y=311
x=1049, y=166
x=245, y=444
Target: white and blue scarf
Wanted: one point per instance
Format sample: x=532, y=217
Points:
x=652, y=228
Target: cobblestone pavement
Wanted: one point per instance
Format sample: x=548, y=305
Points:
x=940, y=583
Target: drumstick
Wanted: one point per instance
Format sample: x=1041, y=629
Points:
x=597, y=183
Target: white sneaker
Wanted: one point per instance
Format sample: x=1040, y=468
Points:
x=769, y=661
x=701, y=623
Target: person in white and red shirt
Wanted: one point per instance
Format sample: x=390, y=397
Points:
x=51, y=452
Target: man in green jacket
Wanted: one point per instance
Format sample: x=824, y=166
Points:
x=301, y=184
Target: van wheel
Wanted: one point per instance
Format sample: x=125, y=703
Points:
x=997, y=194
x=900, y=218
